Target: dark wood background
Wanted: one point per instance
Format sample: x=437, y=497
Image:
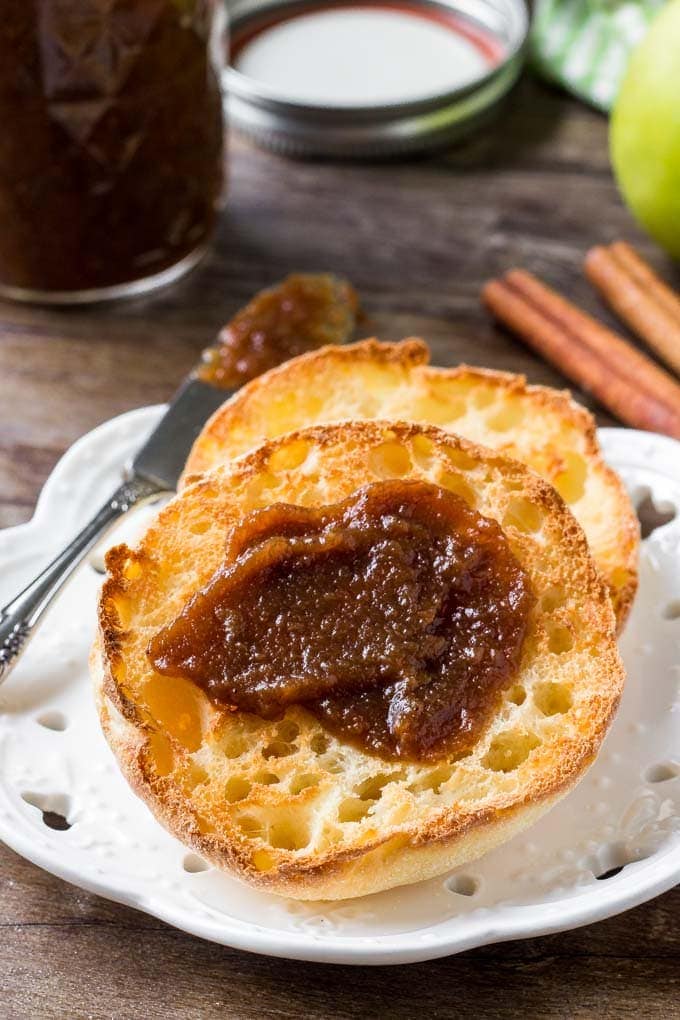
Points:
x=418, y=239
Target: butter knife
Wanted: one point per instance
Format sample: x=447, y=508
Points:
x=154, y=471
x=329, y=316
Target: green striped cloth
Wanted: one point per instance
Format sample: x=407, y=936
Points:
x=584, y=45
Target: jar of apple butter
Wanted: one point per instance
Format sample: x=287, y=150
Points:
x=112, y=144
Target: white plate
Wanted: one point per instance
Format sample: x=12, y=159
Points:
x=625, y=814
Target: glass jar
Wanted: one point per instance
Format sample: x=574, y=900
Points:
x=111, y=147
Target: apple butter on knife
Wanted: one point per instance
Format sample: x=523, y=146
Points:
x=304, y=312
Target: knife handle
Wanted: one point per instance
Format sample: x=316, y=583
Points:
x=20, y=618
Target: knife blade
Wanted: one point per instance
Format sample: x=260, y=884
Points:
x=161, y=459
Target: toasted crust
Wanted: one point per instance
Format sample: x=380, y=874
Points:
x=283, y=804
x=542, y=427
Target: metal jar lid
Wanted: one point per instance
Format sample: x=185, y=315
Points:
x=278, y=44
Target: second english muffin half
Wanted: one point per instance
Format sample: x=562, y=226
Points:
x=542, y=427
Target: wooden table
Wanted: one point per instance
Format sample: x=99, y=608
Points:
x=418, y=239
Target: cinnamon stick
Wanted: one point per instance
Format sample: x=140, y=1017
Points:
x=643, y=272
x=639, y=297
x=629, y=384
x=616, y=353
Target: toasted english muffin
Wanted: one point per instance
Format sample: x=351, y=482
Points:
x=285, y=805
x=540, y=426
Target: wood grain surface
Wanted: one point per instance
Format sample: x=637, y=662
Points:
x=418, y=239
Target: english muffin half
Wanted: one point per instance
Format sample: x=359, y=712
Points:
x=284, y=804
x=540, y=426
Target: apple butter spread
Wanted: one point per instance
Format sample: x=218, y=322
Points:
x=396, y=617
x=111, y=150
x=303, y=313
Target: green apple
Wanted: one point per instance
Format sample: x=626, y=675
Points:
x=645, y=130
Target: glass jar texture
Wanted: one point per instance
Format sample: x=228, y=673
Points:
x=112, y=143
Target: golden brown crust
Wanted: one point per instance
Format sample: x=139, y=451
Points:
x=282, y=804
x=553, y=434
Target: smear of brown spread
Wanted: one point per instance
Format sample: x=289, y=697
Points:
x=303, y=313
x=396, y=617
